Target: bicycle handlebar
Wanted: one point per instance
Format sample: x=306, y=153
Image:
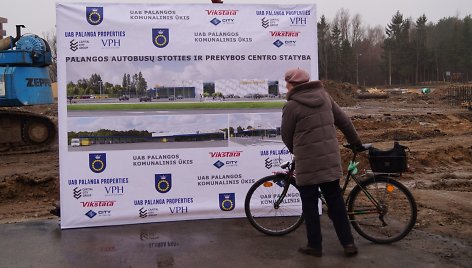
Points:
x=357, y=148
x=285, y=165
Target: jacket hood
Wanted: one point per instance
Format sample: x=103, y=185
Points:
x=308, y=94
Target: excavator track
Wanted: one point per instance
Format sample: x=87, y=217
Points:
x=25, y=132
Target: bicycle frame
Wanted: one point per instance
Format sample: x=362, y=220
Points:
x=352, y=170
x=291, y=169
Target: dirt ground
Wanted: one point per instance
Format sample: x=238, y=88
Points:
x=439, y=138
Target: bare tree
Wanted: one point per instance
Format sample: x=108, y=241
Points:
x=375, y=35
x=50, y=37
x=369, y=62
x=343, y=20
x=357, y=30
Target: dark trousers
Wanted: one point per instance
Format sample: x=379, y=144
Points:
x=336, y=212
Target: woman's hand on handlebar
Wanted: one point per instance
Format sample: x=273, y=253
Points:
x=356, y=148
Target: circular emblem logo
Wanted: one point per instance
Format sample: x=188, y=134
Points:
x=163, y=186
x=97, y=165
x=160, y=40
x=94, y=17
x=227, y=205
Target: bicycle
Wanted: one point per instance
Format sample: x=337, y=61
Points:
x=380, y=208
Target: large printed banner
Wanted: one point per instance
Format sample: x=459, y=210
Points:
x=120, y=164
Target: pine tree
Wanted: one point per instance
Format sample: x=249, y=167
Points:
x=397, y=54
x=420, y=45
x=323, y=47
x=335, y=53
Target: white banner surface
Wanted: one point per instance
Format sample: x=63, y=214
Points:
x=126, y=165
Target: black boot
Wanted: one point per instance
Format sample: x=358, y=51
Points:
x=350, y=250
x=311, y=251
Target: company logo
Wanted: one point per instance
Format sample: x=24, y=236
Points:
x=291, y=43
x=285, y=33
x=160, y=37
x=114, y=190
x=298, y=21
x=222, y=12
x=218, y=164
x=270, y=163
x=143, y=213
x=111, y=43
x=266, y=23
x=98, y=204
x=74, y=45
x=225, y=154
x=215, y=21
x=180, y=209
x=163, y=182
x=91, y=214
x=78, y=193
x=97, y=162
x=94, y=15
x=37, y=82
x=227, y=201
x=100, y=213
x=148, y=212
x=227, y=163
x=278, y=43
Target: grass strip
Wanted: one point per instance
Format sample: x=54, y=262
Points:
x=176, y=106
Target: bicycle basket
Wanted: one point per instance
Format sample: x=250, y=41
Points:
x=390, y=161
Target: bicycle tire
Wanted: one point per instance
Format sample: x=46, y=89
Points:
x=260, y=210
x=400, y=210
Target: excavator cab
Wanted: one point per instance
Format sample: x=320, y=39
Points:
x=24, y=75
x=24, y=81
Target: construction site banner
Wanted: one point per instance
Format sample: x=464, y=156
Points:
x=154, y=100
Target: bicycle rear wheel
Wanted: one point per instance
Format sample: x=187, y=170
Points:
x=260, y=209
x=396, y=217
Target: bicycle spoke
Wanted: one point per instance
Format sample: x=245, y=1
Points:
x=264, y=216
x=392, y=220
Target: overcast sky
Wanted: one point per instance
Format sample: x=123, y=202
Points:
x=39, y=15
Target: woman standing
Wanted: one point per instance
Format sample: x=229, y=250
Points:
x=309, y=122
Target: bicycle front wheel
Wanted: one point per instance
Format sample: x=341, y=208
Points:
x=261, y=211
x=396, y=216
